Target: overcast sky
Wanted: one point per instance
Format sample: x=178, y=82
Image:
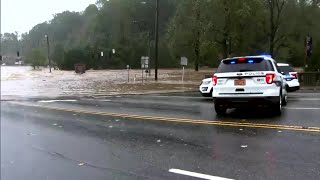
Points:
x=22, y=15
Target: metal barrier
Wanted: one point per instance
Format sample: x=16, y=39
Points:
x=309, y=78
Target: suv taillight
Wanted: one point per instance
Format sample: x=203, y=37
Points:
x=295, y=75
x=269, y=78
x=214, y=80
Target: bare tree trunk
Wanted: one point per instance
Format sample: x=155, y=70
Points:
x=197, y=38
x=226, y=29
x=275, y=9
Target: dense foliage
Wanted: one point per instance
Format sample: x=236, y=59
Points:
x=202, y=30
x=36, y=58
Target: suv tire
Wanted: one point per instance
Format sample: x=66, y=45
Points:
x=277, y=107
x=285, y=101
x=220, y=110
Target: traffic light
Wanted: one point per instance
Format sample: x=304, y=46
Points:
x=18, y=54
x=309, y=45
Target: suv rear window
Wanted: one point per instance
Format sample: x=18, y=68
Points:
x=244, y=65
x=286, y=69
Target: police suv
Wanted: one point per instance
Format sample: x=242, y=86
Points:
x=249, y=80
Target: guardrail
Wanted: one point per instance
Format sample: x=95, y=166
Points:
x=309, y=78
x=305, y=78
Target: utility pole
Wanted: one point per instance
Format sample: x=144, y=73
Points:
x=17, y=41
x=48, y=53
x=156, y=42
x=149, y=49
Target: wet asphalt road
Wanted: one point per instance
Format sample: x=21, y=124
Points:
x=143, y=137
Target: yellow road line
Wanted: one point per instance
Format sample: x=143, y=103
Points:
x=180, y=120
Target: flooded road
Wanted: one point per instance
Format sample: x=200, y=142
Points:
x=24, y=82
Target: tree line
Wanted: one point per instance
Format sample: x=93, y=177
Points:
x=205, y=31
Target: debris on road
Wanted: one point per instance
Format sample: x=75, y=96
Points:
x=158, y=141
x=31, y=134
x=81, y=164
x=244, y=146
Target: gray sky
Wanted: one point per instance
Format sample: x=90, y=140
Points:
x=22, y=15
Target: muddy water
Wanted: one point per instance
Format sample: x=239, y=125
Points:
x=22, y=81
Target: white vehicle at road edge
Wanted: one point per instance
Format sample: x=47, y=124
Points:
x=247, y=81
x=290, y=75
x=206, y=87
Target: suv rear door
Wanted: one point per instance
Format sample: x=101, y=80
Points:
x=245, y=75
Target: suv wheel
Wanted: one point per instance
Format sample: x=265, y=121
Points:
x=285, y=101
x=277, y=107
x=220, y=110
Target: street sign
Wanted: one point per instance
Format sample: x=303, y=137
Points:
x=144, y=62
x=184, y=61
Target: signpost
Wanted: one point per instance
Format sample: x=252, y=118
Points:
x=144, y=64
x=128, y=67
x=184, y=62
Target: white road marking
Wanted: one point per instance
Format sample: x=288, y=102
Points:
x=106, y=100
x=301, y=108
x=49, y=101
x=197, y=175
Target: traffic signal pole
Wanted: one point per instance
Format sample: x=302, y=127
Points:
x=156, y=42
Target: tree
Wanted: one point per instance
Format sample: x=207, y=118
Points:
x=36, y=58
x=205, y=31
x=58, y=55
x=276, y=8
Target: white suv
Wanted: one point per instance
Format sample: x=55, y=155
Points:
x=291, y=76
x=249, y=80
x=206, y=87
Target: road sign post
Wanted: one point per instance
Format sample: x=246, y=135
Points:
x=184, y=62
x=128, y=67
x=182, y=73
